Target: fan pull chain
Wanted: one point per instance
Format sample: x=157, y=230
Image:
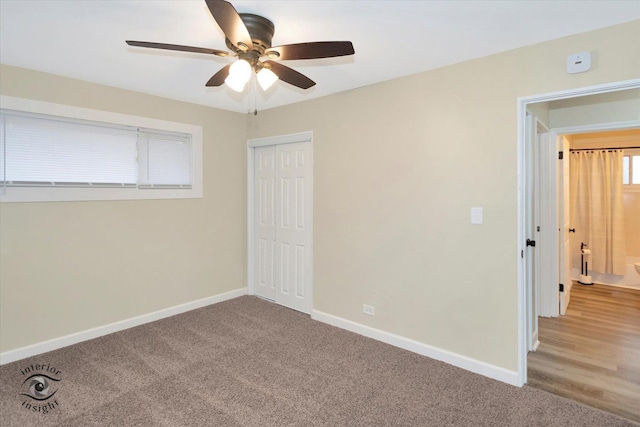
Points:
x=249, y=97
x=255, y=95
x=252, y=99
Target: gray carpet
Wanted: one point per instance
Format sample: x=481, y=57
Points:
x=247, y=362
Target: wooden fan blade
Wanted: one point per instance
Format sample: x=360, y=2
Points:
x=178, y=47
x=311, y=50
x=289, y=75
x=230, y=23
x=218, y=78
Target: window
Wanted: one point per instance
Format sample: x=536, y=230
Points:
x=84, y=154
x=631, y=168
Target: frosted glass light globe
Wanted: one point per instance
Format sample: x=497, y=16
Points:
x=266, y=78
x=239, y=74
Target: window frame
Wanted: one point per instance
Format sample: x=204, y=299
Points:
x=631, y=152
x=11, y=194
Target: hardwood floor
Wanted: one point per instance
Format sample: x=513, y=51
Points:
x=592, y=354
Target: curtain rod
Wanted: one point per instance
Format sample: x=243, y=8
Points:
x=603, y=149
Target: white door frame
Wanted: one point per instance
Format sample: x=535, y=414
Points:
x=251, y=145
x=532, y=298
x=522, y=103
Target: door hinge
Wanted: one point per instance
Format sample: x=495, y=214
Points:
x=561, y=287
x=521, y=254
x=560, y=155
x=531, y=242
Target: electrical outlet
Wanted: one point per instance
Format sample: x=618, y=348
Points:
x=368, y=309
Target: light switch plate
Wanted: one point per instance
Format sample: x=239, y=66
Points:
x=476, y=215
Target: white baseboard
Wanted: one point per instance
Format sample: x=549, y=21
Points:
x=464, y=362
x=56, y=343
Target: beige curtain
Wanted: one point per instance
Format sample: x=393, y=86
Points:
x=597, y=209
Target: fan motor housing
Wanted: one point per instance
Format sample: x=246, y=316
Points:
x=260, y=29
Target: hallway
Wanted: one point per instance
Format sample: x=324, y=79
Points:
x=592, y=354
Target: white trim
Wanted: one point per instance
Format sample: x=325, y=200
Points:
x=455, y=359
x=39, y=194
x=522, y=271
x=250, y=209
x=522, y=103
x=283, y=139
x=263, y=142
x=583, y=91
x=56, y=343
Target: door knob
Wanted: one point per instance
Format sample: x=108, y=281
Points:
x=572, y=230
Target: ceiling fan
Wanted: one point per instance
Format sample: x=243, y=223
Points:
x=249, y=37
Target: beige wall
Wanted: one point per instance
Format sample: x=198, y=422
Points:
x=70, y=266
x=398, y=165
x=611, y=107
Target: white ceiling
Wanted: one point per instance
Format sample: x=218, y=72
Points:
x=84, y=39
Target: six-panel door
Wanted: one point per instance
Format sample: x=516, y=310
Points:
x=283, y=224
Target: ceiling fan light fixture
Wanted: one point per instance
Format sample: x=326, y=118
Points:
x=235, y=84
x=266, y=78
x=239, y=75
x=249, y=37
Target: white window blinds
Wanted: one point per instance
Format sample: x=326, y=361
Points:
x=40, y=150
x=168, y=160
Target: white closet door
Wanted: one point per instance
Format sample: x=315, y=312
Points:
x=293, y=225
x=265, y=221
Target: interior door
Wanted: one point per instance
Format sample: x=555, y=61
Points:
x=293, y=226
x=549, y=274
x=265, y=221
x=283, y=224
x=531, y=220
x=565, y=221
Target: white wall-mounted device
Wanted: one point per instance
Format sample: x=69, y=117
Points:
x=578, y=62
x=476, y=215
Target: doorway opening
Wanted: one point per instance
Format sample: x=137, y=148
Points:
x=587, y=338
x=548, y=259
x=525, y=314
